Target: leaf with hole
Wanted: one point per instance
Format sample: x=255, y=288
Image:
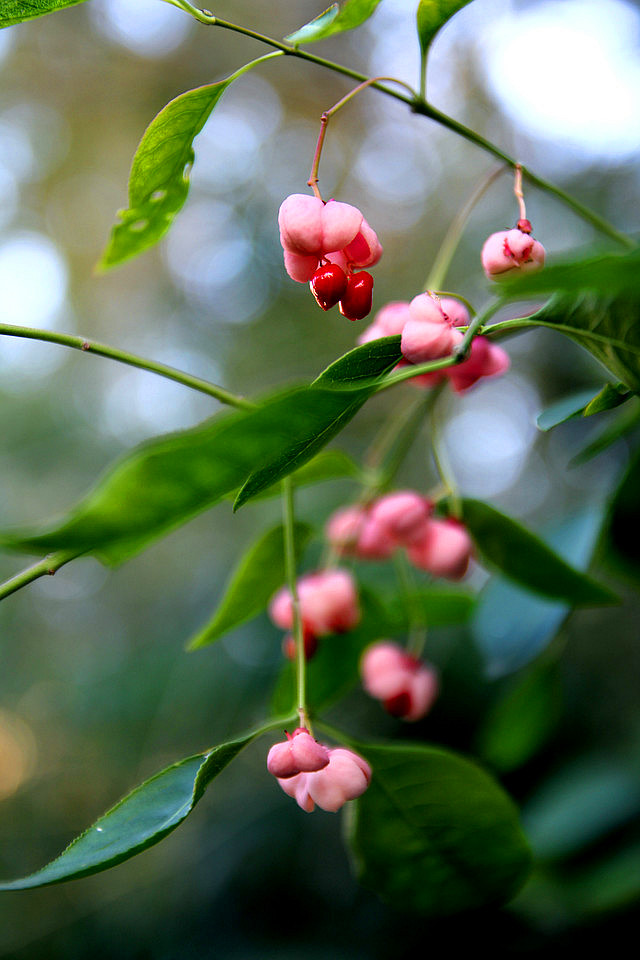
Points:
x=254, y=581
x=434, y=834
x=336, y=19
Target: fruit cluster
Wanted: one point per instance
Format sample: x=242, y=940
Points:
x=322, y=243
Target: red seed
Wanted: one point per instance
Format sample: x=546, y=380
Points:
x=328, y=285
x=356, y=302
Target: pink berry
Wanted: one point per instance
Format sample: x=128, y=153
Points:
x=388, y=322
x=511, y=250
x=328, y=285
x=346, y=777
x=344, y=528
x=341, y=223
x=445, y=550
x=406, y=686
x=299, y=753
x=300, y=267
x=300, y=222
x=401, y=516
x=485, y=360
x=423, y=341
x=328, y=603
x=356, y=301
x=454, y=312
x=365, y=249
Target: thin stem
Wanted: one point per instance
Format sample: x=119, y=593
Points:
x=517, y=189
x=122, y=356
x=420, y=106
x=298, y=632
x=449, y=245
x=324, y=121
x=424, y=53
x=404, y=438
x=443, y=466
x=417, y=621
x=45, y=567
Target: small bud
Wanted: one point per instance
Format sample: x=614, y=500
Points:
x=299, y=753
x=328, y=603
x=510, y=250
x=445, y=550
x=423, y=341
x=406, y=686
x=401, y=516
x=356, y=301
x=328, y=285
x=346, y=777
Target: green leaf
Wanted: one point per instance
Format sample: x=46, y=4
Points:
x=611, y=275
x=611, y=396
x=619, y=428
x=254, y=581
x=438, y=606
x=169, y=480
x=432, y=15
x=357, y=371
x=17, y=11
x=522, y=720
x=140, y=820
x=512, y=626
x=565, y=409
x=336, y=19
x=525, y=558
x=434, y=834
x=326, y=465
x=159, y=178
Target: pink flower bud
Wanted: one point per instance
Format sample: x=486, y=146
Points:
x=423, y=341
x=346, y=777
x=510, y=250
x=401, y=516
x=445, y=551
x=485, y=360
x=300, y=219
x=406, y=686
x=299, y=753
x=328, y=603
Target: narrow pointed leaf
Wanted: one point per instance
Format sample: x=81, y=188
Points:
x=254, y=581
x=525, y=558
x=356, y=369
x=140, y=820
x=432, y=15
x=159, y=178
x=326, y=465
x=336, y=19
x=434, y=834
x=169, y=480
x=17, y=11
x=612, y=395
x=624, y=424
x=565, y=409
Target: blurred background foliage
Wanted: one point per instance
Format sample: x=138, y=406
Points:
x=96, y=691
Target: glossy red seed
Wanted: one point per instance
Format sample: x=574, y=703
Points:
x=328, y=285
x=356, y=302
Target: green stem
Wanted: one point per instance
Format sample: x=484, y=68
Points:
x=122, y=356
x=45, y=567
x=443, y=467
x=404, y=437
x=298, y=632
x=417, y=623
x=420, y=106
x=449, y=245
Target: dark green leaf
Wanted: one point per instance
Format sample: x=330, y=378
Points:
x=611, y=396
x=336, y=19
x=612, y=274
x=432, y=15
x=356, y=371
x=159, y=178
x=166, y=481
x=525, y=558
x=522, y=720
x=511, y=625
x=434, y=834
x=258, y=575
x=333, y=671
x=565, y=409
x=16, y=11
x=623, y=521
x=138, y=821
